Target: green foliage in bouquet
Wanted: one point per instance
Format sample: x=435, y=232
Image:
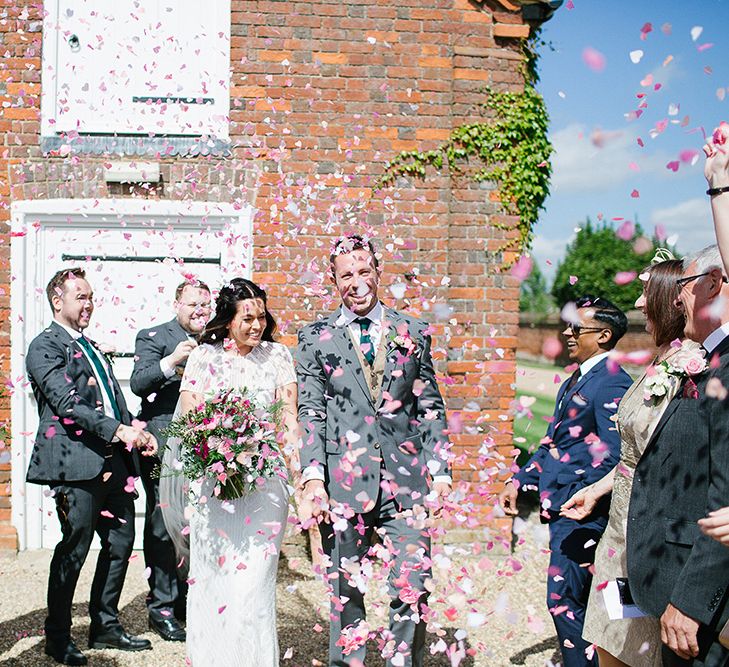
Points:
x=231, y=439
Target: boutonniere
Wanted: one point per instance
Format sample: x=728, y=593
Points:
x=686, y=364
x=403, y=341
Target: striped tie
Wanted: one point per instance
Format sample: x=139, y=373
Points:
x=101, y=372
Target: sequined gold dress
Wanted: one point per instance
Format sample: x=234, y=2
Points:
x=635, y=641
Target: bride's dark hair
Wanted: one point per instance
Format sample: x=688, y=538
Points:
x=226, y=306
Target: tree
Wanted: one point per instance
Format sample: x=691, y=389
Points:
x=596, y=257
x=534, y=296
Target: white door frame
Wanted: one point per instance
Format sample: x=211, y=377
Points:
x=27, y=218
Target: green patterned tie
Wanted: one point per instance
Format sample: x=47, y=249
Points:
x=365, y=342
x=101, y=372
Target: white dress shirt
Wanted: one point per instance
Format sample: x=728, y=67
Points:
x=715, y=337
x=587, y=366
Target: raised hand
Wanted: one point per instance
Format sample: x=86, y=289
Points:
x=716, y=167
x=181, y=352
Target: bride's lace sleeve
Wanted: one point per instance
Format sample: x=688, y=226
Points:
x=285, y=373
x=197, y=370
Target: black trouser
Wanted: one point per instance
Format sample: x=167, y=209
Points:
x=166, y=593
x=83, y=508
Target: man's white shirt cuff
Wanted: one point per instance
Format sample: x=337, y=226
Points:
x=312, y=472
x=442, y=479
x=167, y=370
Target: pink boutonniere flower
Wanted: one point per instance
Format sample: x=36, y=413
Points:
x=403, y=340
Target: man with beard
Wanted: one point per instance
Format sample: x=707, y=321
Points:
x=159, y=361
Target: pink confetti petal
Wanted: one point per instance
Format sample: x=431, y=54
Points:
x=593, y=59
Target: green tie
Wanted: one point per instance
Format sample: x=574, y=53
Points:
x=365, y=342
x=101, y=372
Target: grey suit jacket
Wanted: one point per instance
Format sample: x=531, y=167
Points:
x=148, y=380
x=353, y=437
x=683, y=474
x=74, y=434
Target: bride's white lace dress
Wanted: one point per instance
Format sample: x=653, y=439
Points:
x=234, y=545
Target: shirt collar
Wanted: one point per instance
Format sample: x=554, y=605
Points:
x=587, y=366
x=346, y=316
x=72, y=332
x=715, y=337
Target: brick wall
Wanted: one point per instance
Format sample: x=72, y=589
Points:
x=322, y=95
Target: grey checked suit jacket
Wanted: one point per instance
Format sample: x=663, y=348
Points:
x=73, y=431
x=350, y=435
x=683, y=474
x=148, y=379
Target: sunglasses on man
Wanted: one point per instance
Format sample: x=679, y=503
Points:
x=577, y=329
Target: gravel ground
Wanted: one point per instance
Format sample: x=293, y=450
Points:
x=508, y=626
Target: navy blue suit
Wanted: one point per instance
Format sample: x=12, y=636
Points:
x=581, y=446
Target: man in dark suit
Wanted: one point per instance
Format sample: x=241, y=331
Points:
x=374, y=441
x=675, y=572
x=159, y=360
x=581, y=446
x=85, y=450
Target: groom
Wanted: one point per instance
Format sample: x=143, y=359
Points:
x=374, y=444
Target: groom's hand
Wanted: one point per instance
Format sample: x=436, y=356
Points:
x=314, y=501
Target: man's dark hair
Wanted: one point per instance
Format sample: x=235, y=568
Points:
x=197, y=284
x=56, y=284
x=608, y=314
x=350, y=243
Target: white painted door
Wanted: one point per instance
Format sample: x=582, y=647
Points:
x=135, y=253
x=137, y=67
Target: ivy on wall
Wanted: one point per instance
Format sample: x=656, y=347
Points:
x=511, y=146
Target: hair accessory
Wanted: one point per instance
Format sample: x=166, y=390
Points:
x=662, y=255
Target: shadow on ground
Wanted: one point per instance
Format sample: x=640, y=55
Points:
x=296, y=624
x=520, y=658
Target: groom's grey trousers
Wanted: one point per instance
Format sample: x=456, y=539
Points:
x=408, y=571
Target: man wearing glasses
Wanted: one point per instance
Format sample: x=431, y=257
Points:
x=160, y=355
x=676, y=573
x=581, y=446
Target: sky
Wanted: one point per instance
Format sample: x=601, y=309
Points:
x=614, y=160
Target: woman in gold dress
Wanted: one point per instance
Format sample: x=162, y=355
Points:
x=635, y=642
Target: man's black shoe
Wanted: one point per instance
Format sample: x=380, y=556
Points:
x=65, y=652
x=119, y=640
x=168, y=628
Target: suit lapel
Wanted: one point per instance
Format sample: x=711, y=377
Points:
x=567, y=395
x=343, y=342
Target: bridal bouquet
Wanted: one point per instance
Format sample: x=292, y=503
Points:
x=232, y=440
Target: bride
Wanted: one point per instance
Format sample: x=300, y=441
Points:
x=233, y=544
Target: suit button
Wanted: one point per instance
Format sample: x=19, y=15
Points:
x=377, y=445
